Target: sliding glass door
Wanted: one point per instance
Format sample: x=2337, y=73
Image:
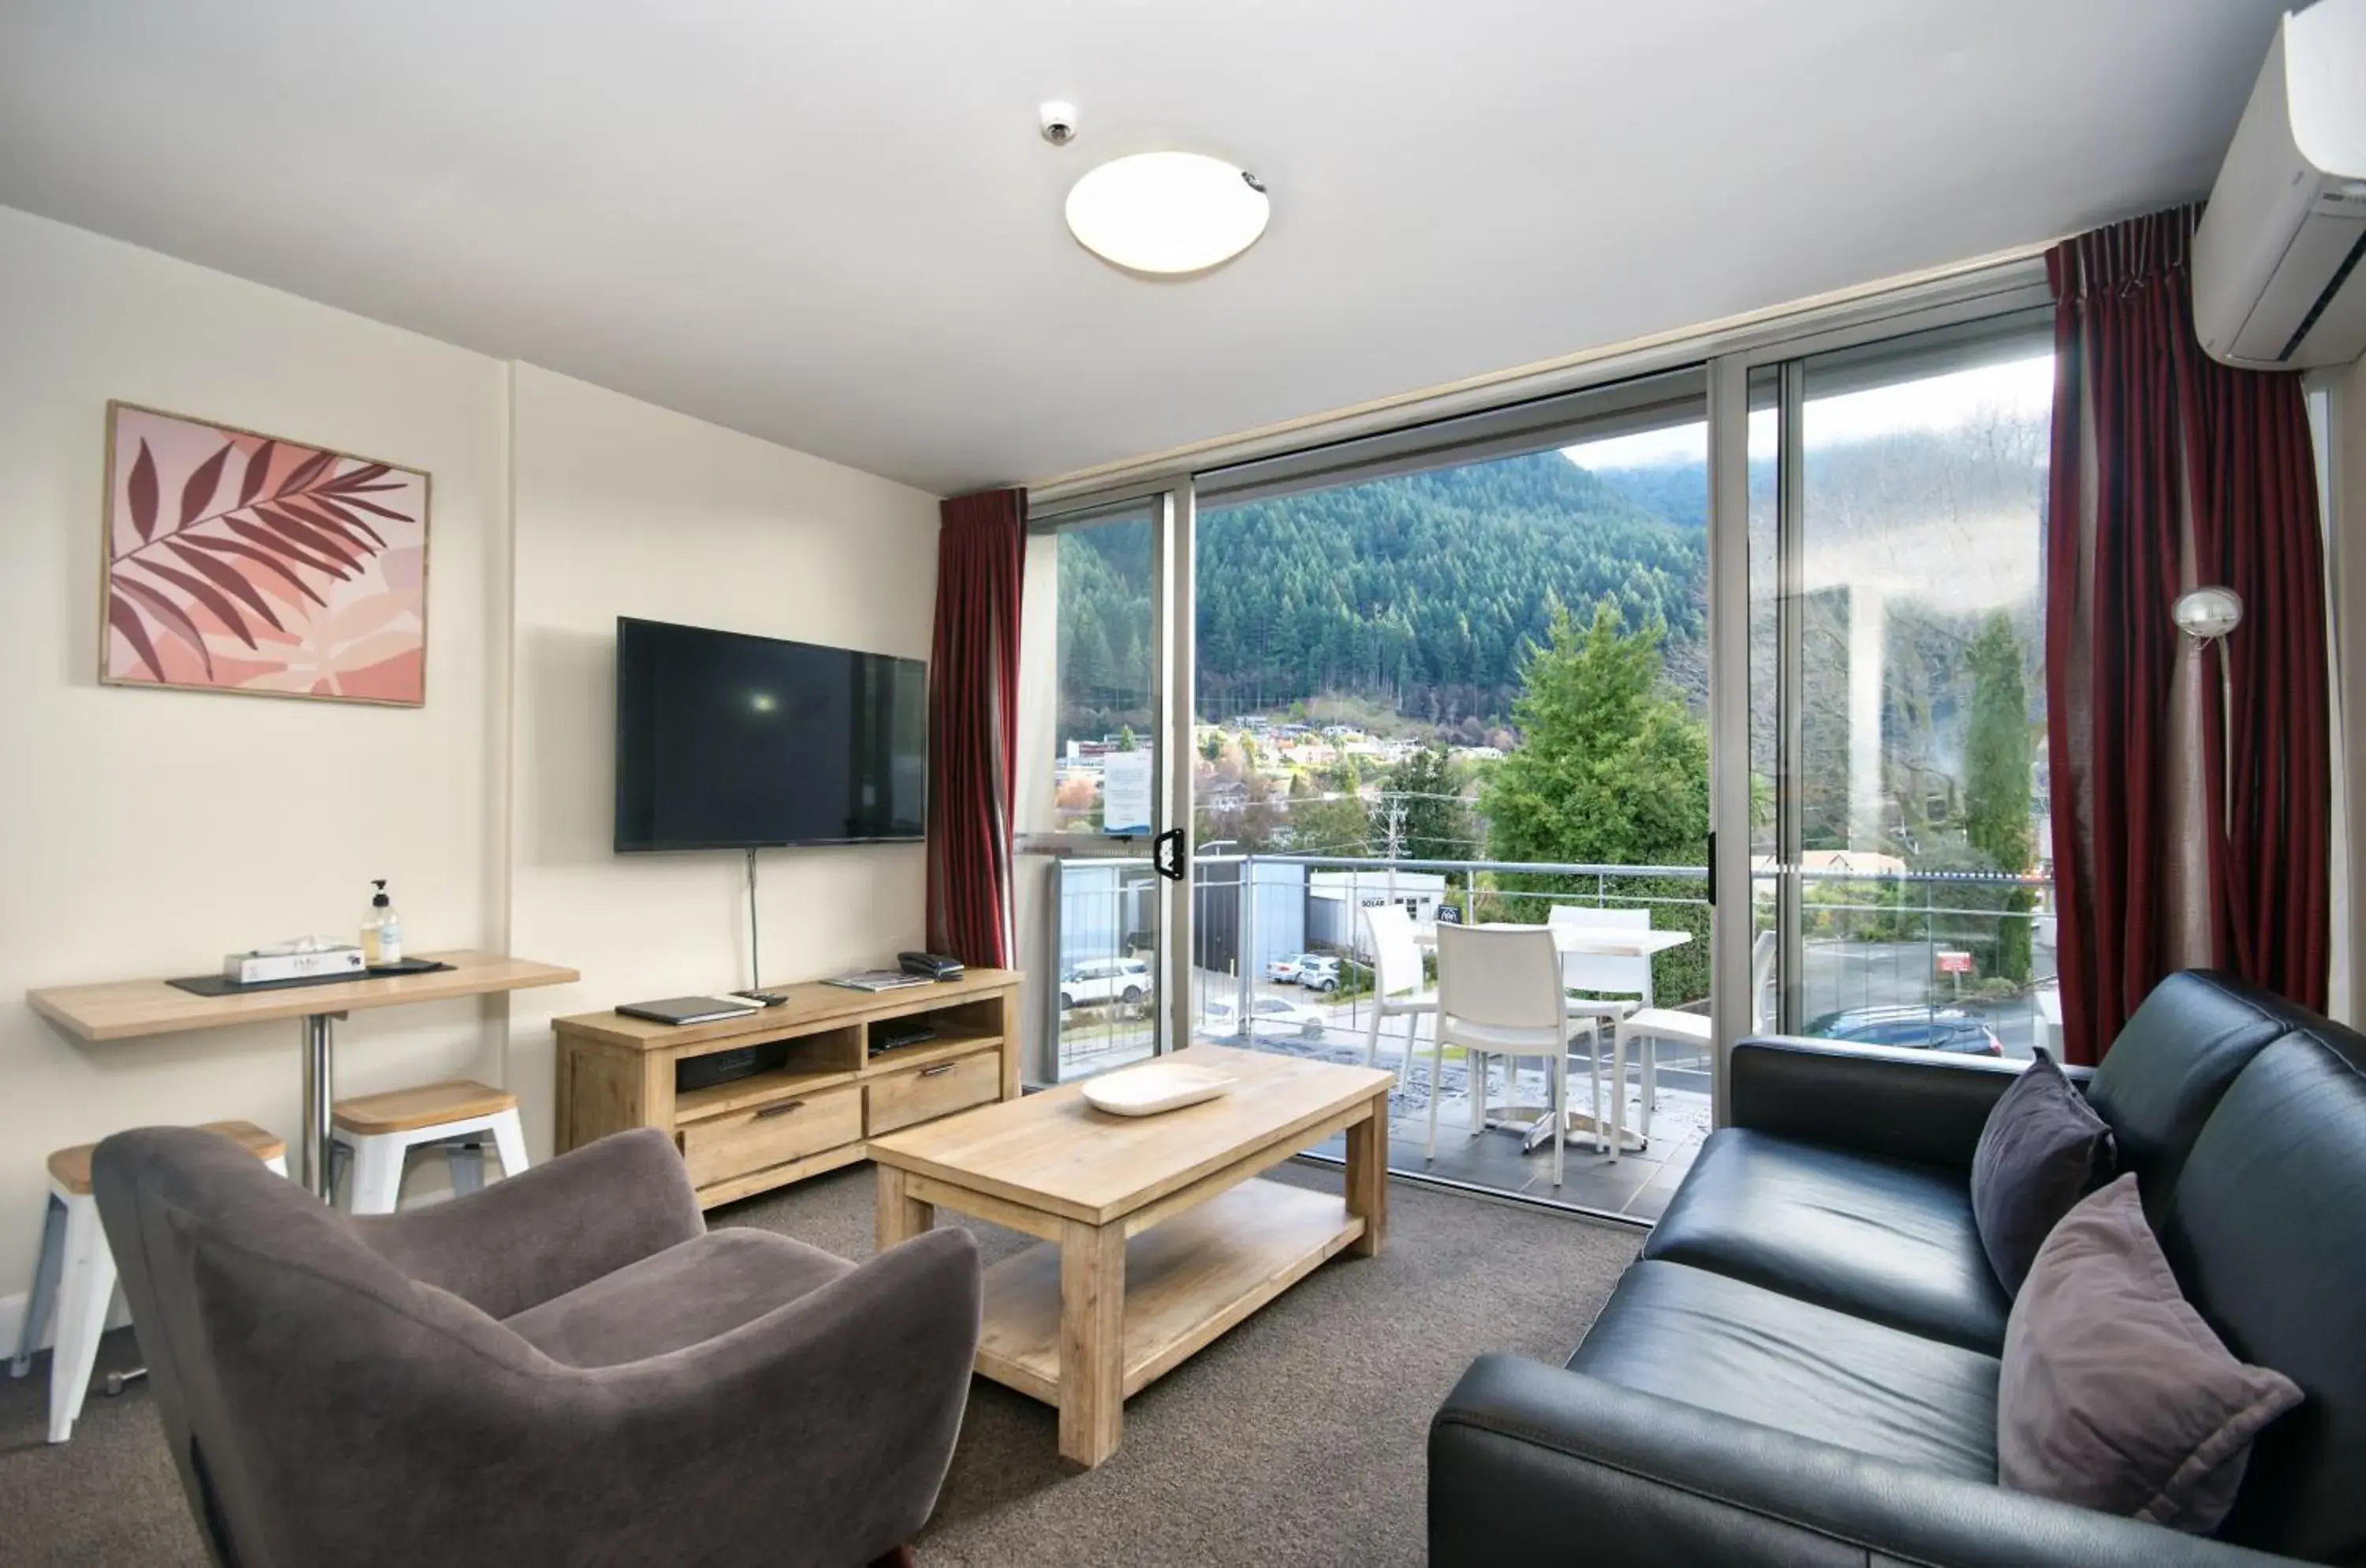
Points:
x=1514, y=666
x=1896, y=604
x=1091, y=902
x=1460, y=673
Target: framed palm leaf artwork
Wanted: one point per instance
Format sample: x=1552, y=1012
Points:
x=242, y=563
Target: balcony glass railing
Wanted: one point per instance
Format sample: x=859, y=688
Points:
x=1871, y=945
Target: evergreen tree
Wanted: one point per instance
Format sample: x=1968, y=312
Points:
x=1999, y=753
x=1612, y=770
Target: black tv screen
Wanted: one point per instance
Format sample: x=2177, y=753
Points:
x=728, y=741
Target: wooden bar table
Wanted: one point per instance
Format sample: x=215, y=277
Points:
x=129, y=1009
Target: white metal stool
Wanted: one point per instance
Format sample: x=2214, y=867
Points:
x=76, y=1273
x=374, y=1134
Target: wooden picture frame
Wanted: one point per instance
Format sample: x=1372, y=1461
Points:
x=232, y=561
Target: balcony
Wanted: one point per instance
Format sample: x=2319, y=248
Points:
x=1904, y=957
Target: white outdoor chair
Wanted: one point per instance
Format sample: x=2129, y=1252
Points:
x=1651, y=1025
x=1611, y=977
x=1499, y=994
x=1398, y=990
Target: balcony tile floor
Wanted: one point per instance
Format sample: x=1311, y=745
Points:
x=1636, y=1186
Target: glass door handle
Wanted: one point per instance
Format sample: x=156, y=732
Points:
x=1167, y=854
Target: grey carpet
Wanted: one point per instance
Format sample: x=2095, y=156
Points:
x=1296, y=1438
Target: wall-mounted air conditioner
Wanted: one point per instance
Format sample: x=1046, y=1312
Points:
x=2279, y=258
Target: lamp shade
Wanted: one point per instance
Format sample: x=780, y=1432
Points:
x=2207, y=614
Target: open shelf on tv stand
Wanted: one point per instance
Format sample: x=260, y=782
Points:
x=821, y=1092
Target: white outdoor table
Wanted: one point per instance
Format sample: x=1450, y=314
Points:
x=1597, y=942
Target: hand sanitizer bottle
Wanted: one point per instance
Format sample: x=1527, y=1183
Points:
x=381, y=929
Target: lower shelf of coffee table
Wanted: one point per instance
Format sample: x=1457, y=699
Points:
x=1188, y=1280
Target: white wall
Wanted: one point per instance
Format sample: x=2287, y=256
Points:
x=149, y=832
x=146, y=832
x=624, y=509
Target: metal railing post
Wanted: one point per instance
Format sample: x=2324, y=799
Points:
x=1248, y=945
x=1051, y=1064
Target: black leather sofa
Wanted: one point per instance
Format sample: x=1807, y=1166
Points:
x=1801, y=1366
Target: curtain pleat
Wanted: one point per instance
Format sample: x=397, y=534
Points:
x=974, y=725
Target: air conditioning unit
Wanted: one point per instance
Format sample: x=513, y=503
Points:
x=2279, y=258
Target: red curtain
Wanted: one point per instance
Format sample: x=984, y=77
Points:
x=2167, y=470
x=974, y=725
x=2267, y=764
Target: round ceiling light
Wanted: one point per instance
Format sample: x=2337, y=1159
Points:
x=1168, y=213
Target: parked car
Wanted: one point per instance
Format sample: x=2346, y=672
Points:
x=1267, y=1015
x=1285, y=968
x=1920, y=1029
x=1097, y=982
x=1318, y=972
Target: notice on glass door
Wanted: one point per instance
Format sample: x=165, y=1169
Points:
x=1125, y=794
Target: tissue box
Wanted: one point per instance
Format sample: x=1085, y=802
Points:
x=256, y=969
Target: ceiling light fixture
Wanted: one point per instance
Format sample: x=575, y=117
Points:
x=1168, y=213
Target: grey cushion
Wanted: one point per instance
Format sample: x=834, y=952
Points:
x=1687, y=1335
x=1877, y=1238
x=2042, y=1150
x=706, y=1286
x=2115, y=1395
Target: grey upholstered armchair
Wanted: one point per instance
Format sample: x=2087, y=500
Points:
x=567, y=1367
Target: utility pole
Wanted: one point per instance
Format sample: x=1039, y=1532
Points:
x=1396, y=820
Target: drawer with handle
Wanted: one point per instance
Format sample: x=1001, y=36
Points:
x=937, y=1089
x=773, y=1134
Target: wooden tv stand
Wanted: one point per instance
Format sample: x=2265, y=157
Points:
x=816, y=1109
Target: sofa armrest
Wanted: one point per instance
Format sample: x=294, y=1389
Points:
x=549, y=1229
x=1531, y=1464
x=1928, y=1106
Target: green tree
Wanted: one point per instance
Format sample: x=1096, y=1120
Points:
x=1427, y=787
x=1127, y=741
x=1329, y=825
x=1612, y=770
x=1999, y=753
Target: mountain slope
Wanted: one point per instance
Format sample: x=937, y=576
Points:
x=1422, y=591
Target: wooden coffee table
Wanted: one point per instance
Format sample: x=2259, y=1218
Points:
x=1156, y=1237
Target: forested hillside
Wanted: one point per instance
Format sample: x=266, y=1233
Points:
x=1422, y=592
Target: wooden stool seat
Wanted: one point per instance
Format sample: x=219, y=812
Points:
x=373, y=1135
x=429, y=1105
x=70, y=1168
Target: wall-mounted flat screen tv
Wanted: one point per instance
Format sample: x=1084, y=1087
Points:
x=730, y=741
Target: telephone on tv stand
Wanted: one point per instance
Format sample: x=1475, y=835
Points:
x=935, y=967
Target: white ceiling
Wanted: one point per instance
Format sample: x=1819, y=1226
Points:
x=832, y=223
